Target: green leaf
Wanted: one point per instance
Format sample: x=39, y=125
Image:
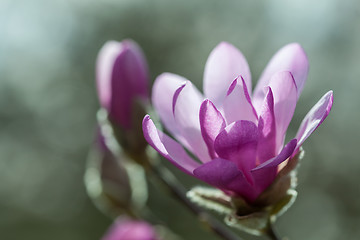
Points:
x=211, y=198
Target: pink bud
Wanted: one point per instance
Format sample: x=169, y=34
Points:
x=124, y=229
x=122, y=77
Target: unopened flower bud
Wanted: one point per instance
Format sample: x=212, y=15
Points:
x=122, y=83
x=115, y=184
x=125, y=229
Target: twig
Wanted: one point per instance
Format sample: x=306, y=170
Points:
x=271, y=233
x=178, y=190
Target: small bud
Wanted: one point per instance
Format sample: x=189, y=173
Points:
x=125, y=229
x=122, y=83
x=115, y=184
x=122, y=76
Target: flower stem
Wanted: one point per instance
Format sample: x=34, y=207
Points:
x=271, y=233
x=178, y=190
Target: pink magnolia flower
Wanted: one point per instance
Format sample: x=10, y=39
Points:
x=122, y=76
x=238, y=136
x=124, y=229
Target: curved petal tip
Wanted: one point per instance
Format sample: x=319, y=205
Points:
x=315, y=117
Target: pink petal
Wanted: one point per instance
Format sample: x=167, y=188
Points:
x=224, y=64
x=285, y=96
x=314, y=118
x=186, y=102
x=290, y=58
x=167, y=147
x=237, y=103
x=283, y=155
x=265, y=173
x=238, y=143
x=163, y=92
x=267, y=129
x=138, y=68
x=225, y=175
x=211, y=123
x=104, y=67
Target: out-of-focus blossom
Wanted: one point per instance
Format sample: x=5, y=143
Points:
x=122, y=78
x=237, y=135
x=124, y=229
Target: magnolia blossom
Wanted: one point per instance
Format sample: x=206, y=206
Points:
x=124, y=229
x=236, y=134
x=121, y=76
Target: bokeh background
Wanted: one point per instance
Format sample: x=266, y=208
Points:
x=48, y=102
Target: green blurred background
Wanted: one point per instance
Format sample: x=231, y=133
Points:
x=48, y=102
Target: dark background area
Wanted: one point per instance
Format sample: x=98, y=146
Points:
x=48, y=102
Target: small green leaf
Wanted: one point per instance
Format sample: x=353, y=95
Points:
x=210, y=198
x=255, y=223
x=283, y=205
